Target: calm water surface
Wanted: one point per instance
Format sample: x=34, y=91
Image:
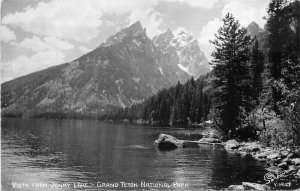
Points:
x=74, y=151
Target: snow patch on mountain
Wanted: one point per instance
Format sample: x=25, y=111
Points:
x=183, y=50
x=186, y=69
x=161, y=71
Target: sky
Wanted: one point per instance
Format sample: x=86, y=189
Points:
x=37, y=34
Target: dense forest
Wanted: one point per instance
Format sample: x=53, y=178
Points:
x=253, y=90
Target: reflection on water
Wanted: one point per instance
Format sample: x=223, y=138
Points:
x=71, y=151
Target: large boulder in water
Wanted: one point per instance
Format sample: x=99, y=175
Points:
x=168, y=142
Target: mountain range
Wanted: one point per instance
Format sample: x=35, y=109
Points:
x=125, y=69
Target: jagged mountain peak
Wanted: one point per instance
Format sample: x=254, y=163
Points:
x=254, y=29
x=181, y=48
x=254, y=24
x=163, y=40
x=169, y=31
x=182, y=38
x=182, y=33
x=135, y=29
x=167, y=34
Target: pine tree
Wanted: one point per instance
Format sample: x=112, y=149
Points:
x=257, y=67
x=231, y=74
x=278, y=27
x=289, y=84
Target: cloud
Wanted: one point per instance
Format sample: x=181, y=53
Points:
x=125, y=6
x=180, y=29
x=46, y=52
x=206, y=4
x=7, y=34
x=68, y=19
x=37, y=44
x=207, y=33
x=244, y=11
x=80, y=20
x=149, y=19
x=23, y=65
x=71, y=19
x=247, y=11
x=55, y=23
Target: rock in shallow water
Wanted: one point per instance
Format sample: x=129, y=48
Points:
x=235, y=187
x=283, y=165
x=232, y=144
x=254, y=186
x=292, y=167
x=291, y=155
x=273, y=156
x=284, y=153
x=168, y=142
x=274, y=169
x=250, y=147
x=249, y=186
x=296, y=161
x=262, y=155
x=210, y=140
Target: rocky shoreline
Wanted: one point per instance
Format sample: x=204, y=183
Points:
x=282, y=164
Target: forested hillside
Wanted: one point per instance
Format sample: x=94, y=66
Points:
x=176, y=105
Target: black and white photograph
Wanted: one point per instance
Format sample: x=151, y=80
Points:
x=176, y=95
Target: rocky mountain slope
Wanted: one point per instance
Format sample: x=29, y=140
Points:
x=254, y=29
x=125, y=69
x=260, y=34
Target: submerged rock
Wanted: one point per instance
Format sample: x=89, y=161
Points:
x=254, y=186
x=296, y=161
x=262, y=155
x=235, y=187
x=168, y=142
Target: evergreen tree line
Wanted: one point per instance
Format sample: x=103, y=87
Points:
x=280, y=97
x=181, y=104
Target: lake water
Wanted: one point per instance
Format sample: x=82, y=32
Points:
x=80, y=153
